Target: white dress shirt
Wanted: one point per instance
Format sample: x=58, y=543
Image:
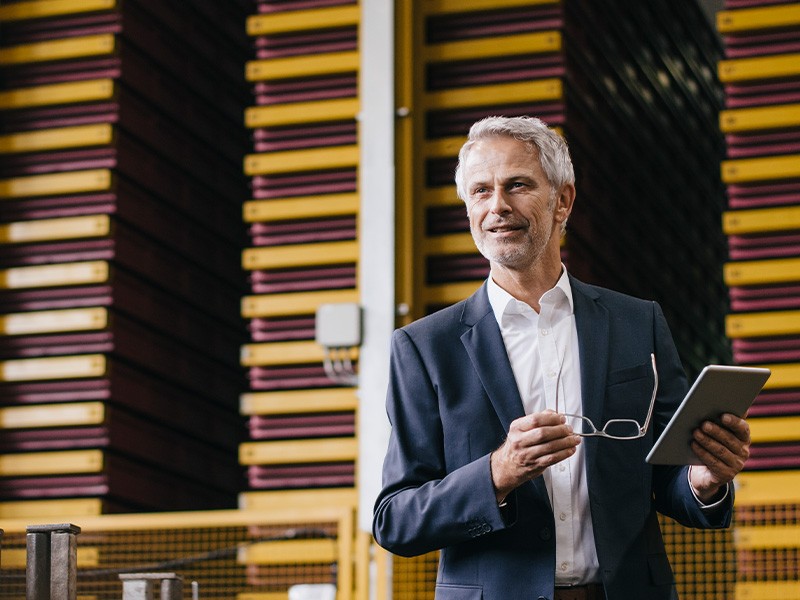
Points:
x=543, y=351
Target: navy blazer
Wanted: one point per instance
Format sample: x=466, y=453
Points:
x=451, y=399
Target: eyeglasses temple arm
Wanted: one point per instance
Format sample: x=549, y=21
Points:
x=655, y=393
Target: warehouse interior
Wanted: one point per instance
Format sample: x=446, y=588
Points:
x=214, y=214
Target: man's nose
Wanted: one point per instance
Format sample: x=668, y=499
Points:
x=499, y=201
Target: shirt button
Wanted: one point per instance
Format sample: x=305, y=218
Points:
x=563, y=516
x=564, y=566
x=562, y=468
x=545, y=331
x=551, y=374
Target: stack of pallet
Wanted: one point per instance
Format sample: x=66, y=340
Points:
x=761, y=123
x=120, y=194
x=303, y=248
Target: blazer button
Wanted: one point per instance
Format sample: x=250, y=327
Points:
x=545, y=533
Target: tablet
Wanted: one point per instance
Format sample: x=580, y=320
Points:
x=718, y=389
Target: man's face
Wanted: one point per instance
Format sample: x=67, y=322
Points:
x=514, y=213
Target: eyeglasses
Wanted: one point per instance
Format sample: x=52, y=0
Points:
x=617, y=429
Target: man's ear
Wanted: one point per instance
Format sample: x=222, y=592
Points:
x=564, y=202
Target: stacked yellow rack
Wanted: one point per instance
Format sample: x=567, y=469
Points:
x=761, y=122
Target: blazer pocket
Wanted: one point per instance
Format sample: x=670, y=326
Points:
x=450, y=591
x=630, y=374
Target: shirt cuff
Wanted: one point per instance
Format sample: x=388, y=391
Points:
x=700, y=502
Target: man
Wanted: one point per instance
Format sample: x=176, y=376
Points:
x=482, y=462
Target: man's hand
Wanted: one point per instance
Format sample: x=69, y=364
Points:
x=723, y=450
x=534, y=442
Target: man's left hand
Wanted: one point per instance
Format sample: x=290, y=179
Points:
x=723, y=449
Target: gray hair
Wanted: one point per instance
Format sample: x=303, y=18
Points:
x=553, y=152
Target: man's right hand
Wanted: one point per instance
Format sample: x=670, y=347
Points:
x=534, y=442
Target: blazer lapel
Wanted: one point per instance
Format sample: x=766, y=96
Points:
x=591, y=321
x=487, y=351
x=484, y=345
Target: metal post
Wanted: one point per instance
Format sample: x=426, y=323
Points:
x=140, y=586
x=52, y=562
x=172, y=589
x=136, y=589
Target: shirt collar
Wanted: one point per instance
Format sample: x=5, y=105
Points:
x=504, y=303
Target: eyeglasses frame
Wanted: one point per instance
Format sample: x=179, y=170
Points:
x=642, y=428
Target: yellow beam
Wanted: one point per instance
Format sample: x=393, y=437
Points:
x=262, y=595
x=767, y=487
x=36, y=9
x=763, y=537
x=52, y=415
x=762, y=67
x=763, y=117
x=327, y=63
x=337, y=109
x=73, y=47
x=51, y=321
x=442, y=196
x=53, y=367
x=295, y=303
x=523, y=43
x=285, y=353
x=755, y=272
x=751, y=19
x=443, y=147
x=293, y=161
x=303, y=207
x=16, y=558
x=321, y=512
x=288, y=552
x=786, y=375
x=300, y=255
x=449, y=293
x=760, y=220
x=51, y=509
x=742, y=325
x=303, y=500
x=451, y=243
x=298, y=451
x=55, y=229
x=436, y=7
x=78, y=273
x=57, y=93
x=281, y=353
x=774, y=429
x=759, y=169
x=303, y=20
x=537, y=90
x=71, y=182
x=62, y=137
x=51, y=463
x=766, y=590
x=298, y=401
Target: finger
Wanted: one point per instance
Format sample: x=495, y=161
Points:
x=540, y=419
x=738, y=426
x=735, y=440
x=539, y=458
x=719, y=471
x=722, y=457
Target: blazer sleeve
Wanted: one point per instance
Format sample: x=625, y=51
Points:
x=671, y=490
x=426, y=504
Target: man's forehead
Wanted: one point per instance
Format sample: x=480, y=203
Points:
x=487, y=155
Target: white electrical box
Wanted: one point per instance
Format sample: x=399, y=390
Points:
x=339, y=325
